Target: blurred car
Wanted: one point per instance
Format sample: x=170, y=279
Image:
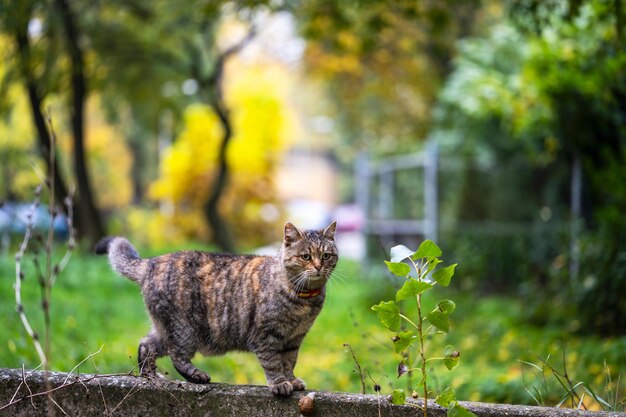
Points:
x=349, y=218
x=14, y=218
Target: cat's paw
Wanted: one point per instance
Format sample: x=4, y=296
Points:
x=282, y=388
x=297, y=384
x=198, y=377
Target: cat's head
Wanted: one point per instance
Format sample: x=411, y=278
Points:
x=309, y=256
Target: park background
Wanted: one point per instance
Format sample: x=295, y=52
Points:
x=496, y=128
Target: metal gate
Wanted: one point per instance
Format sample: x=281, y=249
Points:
x=377, y=189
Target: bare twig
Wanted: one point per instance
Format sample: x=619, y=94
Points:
x=47, y=392
x=57, y=404
x=123, y=399
x=18, y=387
x=46, y=275
x=71, y=243
x=27, y=387
x=359, y=370
x=68, y=202
x=104, y=401
x=19, y=276
x=91, y=355
x=24, y=383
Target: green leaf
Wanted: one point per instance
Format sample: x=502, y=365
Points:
x=457, y=410
x=398, y=268
x=432, y=263
x=428, y=249
x=388, y=314
x=411, y=288
x=444, y=275
x=403, y=340
x=446, y=306
x=400, y=253
x=398, y=397
x=450, y=357
x=439, y=320
x=446, y=397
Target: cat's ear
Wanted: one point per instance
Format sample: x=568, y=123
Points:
x=292, y=234
x=329, y=232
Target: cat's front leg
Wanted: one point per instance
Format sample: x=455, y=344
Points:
x=289, y=359
x=271, y=361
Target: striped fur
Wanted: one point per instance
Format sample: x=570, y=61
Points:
x=215, y=303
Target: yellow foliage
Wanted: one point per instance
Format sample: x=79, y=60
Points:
x=261, y=127
x=108, y=157
x=151, y=228
x=109, y=160
x=184, y=176
x=17, y=152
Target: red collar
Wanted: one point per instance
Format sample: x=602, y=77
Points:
x=309, y=293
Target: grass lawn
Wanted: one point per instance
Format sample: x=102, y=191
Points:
x=92, y=308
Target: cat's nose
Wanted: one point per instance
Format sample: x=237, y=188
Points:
x=318, y=267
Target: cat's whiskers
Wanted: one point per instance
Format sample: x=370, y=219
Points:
x=332, y=283
x=338, y=276
x=299, y=281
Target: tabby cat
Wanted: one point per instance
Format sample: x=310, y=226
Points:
x=215, y=303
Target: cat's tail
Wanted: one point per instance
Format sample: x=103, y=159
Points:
x=123, y=257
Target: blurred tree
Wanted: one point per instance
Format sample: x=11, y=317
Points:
x=50, y=60
x=139, y=72
x=211, y=89
x=384, y=63
x=578, y=65
x=189, y=56
x=140, y=52
x=193, y=163
x=554, y=86
x=18, y=180
x=108, y=156
x=14, y=22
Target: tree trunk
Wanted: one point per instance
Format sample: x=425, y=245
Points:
x=221, y=232
x=212, y=86
x=36, y=99
x=93, y=225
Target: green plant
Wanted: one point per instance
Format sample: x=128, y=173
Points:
x=579, y=395
x=421, y=271
x=42, y=246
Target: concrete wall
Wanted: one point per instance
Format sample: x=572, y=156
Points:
x=93, y=395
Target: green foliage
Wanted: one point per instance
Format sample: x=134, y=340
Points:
x=579, y=395
x=388, y=314
x=398, y=268
x=411, y=288
x=420, y=275
x=383, y=64
x=545, y=88
x=457, y=410
x=403, y=340
x=450, y=357
x=398, y=397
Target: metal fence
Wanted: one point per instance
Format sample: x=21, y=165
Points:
x=509, y=207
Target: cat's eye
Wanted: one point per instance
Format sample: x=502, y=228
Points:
x=326, y=256
x=306, y=257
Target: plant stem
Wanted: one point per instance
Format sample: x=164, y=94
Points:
x=418, y=299
x=420, y=331
x=410, y=321
x=358, y=366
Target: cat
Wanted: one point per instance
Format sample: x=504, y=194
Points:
x=214, y=303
